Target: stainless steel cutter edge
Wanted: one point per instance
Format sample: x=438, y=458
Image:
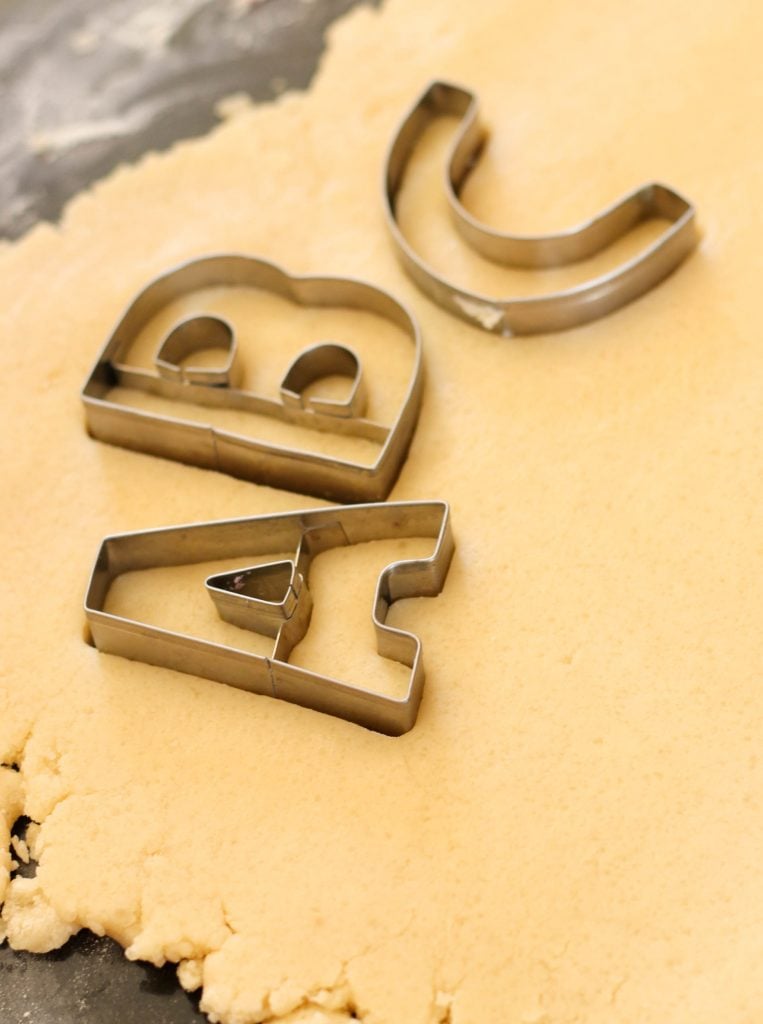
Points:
x=554, y=311
x=274, y=676
x=239, y=455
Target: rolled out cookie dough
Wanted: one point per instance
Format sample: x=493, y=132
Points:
x=573, y=830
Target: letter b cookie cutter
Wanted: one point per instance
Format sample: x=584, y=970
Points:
x=202, y=444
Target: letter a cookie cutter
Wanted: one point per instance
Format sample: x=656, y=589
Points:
x=273, y=598
x=554, y=311
x=210, y=447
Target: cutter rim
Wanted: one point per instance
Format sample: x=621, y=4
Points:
x=278, y=464
x=552, y=311
x=403, y=578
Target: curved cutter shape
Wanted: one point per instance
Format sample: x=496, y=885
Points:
x=246, y=457
x=536, y=314
x=321, y=361
x=273, y=598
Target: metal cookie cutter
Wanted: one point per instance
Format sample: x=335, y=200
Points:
x=213, y=448
x=273, y=598
x=537, y=314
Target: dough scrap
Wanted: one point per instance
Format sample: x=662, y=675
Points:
x=573, y=829
x=30, y=922
x=11, y=805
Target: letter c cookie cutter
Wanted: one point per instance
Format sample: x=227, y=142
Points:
x=554, y=311
x=273, y=598
x=210, y=447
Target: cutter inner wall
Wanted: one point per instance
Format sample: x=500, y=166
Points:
x=427, y=225
x=271, y=333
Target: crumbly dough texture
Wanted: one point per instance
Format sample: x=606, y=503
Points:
x=573, y=829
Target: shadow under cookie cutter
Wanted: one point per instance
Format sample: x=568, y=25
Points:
x=237, y=454
x=273, y=598
x=554, y=311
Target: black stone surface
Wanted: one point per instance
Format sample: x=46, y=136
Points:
x=89, y=981
x=88, y=84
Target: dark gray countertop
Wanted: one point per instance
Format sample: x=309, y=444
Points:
x=86, y=85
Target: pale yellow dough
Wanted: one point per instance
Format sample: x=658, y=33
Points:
x=573, y=832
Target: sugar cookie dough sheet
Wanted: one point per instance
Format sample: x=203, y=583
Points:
x=573, y=829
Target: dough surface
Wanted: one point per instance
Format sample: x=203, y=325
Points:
x=573, y=830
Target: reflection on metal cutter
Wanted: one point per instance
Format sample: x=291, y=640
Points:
x=251, y=459
x=273, y=599
x=536, y=314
